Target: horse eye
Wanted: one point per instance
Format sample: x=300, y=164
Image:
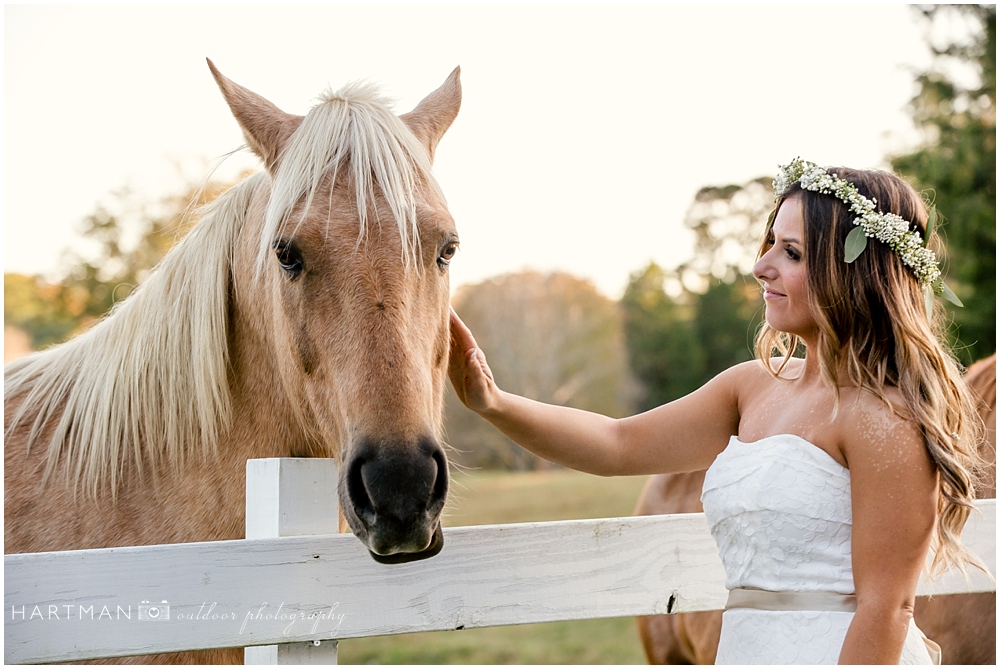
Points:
x=289, y=258
x=448, y=253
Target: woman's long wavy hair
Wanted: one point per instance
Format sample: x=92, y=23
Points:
x=874, y=327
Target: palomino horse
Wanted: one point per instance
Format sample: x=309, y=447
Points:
x=964, y=625
x=306, y=315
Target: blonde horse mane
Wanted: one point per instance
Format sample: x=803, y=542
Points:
x=353, y=125
x=148, y=383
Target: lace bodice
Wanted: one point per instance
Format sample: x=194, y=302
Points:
x=780, y=512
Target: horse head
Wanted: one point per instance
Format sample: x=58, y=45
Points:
x=351, y=246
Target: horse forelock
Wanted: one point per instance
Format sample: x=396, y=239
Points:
x=352, y=129
x=148, y=384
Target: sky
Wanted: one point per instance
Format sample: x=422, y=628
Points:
x=584, y=134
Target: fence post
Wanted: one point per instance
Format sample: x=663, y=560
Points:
x=291, y=497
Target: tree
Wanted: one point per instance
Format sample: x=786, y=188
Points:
x=48, y=313
x=118, y=267
x=52, y=312
x=663, y=346
x=728, y=223
x=549, y=337
x=728, y=316
x=956, y=166
x=684, y=326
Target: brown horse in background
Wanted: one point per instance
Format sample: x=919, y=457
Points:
x=964, y=625
x=305, y=315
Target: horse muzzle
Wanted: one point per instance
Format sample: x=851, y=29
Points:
x=437, y=543
x=392, y=494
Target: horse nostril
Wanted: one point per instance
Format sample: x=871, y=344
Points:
x=440, y=490
x=360, y=500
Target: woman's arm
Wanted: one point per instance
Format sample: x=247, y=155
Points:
x=684, y=435
x=894, y=504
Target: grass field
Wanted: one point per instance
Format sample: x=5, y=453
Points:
x=482, y=498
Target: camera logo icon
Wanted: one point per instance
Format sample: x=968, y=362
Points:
x=159, y=611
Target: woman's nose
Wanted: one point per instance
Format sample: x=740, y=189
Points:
x=762, y=269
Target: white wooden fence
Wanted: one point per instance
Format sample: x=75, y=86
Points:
x=293, y=587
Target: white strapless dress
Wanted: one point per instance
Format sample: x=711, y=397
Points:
x=780, y=512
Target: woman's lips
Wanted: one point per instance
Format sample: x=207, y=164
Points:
x=772, y=294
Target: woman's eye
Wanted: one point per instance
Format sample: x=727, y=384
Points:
x=289, y=258
x=448, y=253
x=792, y=253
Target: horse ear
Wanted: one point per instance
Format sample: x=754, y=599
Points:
x=433, y=116
x=265, y=127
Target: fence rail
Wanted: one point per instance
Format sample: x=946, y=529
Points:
x=75, y=605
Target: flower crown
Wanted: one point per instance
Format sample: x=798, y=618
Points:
x=888, y=228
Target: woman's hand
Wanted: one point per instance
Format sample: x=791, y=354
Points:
x=467, y=368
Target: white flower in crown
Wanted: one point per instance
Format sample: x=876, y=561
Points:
x=887, y=228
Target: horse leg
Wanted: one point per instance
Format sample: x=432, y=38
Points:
x=678, y=638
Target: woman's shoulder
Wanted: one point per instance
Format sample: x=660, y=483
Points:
x=755, y=372
x=873, y=428
x=748, y=381
x=886, y=408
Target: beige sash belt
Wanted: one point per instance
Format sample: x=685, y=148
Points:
x=769, y=600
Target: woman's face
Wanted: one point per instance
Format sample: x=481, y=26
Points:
x=782, y=272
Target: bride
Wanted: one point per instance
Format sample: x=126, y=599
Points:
x=830, y=476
